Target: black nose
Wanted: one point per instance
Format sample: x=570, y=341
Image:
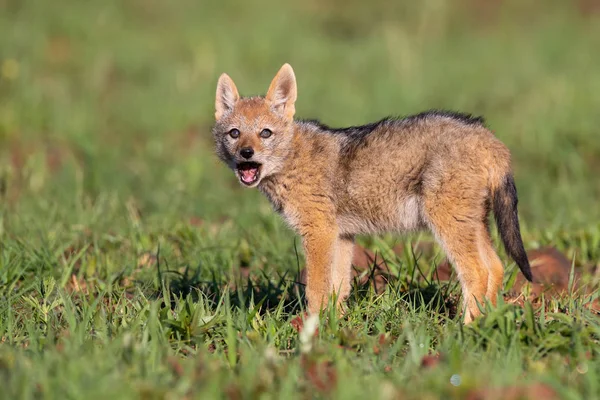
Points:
x=247, y=152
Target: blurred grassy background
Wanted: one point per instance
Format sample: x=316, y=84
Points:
x=115, y=98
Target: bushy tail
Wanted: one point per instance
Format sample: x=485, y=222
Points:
x=505, y=212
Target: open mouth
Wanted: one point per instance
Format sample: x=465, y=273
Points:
x=249, y=172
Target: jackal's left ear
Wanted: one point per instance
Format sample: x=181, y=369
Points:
x=227, y=96
x=282, y=92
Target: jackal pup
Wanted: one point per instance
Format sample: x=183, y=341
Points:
x=438, y=170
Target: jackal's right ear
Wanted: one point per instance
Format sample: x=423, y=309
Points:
x=282, y=92
x=227, y=96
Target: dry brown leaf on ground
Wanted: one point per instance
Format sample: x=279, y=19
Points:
x=147, y=259
x=551, y=271
x=175, y=366
x=195, y=221
x=298, y=323
x=536, y=391
x=76, y=285
x=321, y=374
x=431, y=360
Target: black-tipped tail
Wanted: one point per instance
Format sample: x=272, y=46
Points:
x=507, y=219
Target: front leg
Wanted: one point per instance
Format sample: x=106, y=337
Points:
x=320, y=251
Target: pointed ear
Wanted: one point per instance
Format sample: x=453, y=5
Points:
x=282, y=92
x=227, y=96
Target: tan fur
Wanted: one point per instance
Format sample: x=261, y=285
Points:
x=434, y=172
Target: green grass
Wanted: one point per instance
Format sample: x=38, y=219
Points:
x=122, y=237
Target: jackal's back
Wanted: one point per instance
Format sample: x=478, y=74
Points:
x=386, y=168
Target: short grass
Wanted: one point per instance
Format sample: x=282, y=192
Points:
x=123, y=239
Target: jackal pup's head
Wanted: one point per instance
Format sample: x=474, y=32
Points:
x=253, y=135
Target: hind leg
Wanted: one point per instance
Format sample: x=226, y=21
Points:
x=494, y=266
x=460, y=244
x=456, y=221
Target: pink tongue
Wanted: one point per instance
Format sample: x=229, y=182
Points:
x=248, y=174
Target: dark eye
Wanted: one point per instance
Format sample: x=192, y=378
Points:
x=234, y=133
x=265, y=133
